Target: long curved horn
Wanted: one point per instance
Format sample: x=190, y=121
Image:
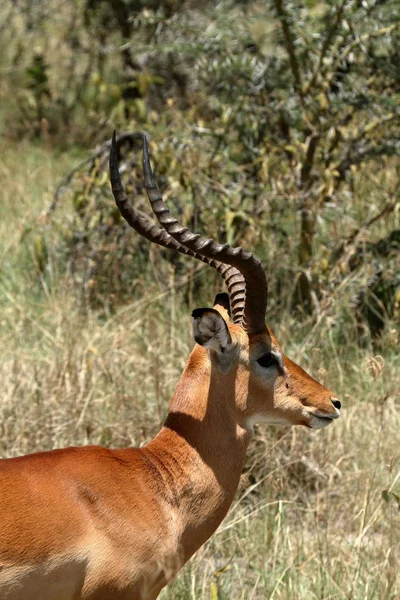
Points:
x=233, y=278
x=256, y=290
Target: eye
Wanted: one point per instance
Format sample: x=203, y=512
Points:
x=268, y=360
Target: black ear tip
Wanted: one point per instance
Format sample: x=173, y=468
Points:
x=197, y=313
x=222, y=299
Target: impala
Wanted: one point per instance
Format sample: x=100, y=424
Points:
x=92, y=523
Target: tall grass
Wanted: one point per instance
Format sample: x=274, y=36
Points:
x=316, y=515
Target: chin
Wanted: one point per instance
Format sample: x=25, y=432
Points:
x=319, y=422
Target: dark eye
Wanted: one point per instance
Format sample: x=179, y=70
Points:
x=268, y=360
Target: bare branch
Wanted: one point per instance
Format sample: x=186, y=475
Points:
x=288, y=35
x=309, y=160
x=352, y=239
x=355, y=44
x=354, y=157
x=327, y=42
x=102, y=151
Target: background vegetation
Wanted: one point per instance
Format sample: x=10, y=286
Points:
x=274, y=125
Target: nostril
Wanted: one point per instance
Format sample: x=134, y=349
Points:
x=336, y=403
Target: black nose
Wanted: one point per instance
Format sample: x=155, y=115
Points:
x=337, y=404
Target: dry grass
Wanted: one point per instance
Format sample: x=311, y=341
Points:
x=309, y=520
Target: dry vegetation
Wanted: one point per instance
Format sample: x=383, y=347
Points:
x=312, y=518
x=259, y=116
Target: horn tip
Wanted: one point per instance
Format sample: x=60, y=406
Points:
x=113, y=140
x=113, y=148
x=146, y=161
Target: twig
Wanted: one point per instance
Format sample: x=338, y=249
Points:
x=352, y=238
x=294, y=64
x=373, y=125
x=309, y=160
x=327, y=42
x=354, y=44
x=103, y=150
x=367, y=153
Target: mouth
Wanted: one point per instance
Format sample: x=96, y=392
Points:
x=319, y=420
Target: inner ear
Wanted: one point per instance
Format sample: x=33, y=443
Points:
x=210, y=329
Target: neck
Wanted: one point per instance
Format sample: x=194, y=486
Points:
x=200, y=451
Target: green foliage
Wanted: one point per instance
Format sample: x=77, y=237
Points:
x=269, y=121
x=317, y=514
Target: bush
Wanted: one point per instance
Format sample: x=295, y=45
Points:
x=267, y=122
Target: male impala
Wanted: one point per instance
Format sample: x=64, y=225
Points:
x=97, y=524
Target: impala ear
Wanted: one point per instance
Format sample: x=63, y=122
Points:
x=210, y=329
x=223, y=301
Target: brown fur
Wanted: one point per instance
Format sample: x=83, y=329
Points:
x=96, y=524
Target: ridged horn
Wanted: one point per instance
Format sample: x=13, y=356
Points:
x=255, y=292
x=233, y=278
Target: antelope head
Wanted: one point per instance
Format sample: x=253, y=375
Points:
x=232, y=337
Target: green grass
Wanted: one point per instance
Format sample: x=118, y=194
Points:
x=310, y=520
